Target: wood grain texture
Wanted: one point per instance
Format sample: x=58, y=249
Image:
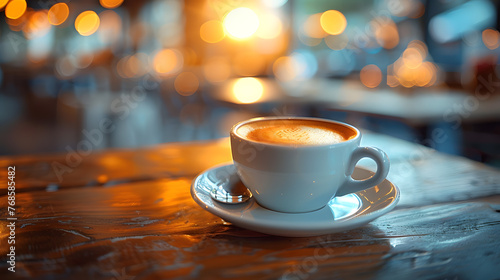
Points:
x=128, y=214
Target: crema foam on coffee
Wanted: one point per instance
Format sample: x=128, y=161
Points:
x=296, y=132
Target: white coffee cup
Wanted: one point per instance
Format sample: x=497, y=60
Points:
x=297, y=178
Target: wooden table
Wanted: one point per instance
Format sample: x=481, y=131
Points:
x=128, y=214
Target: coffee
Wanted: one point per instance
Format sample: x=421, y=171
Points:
x=295, y=132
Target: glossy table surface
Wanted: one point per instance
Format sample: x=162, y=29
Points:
x=128, y=214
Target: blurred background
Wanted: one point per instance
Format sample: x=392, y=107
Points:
x=93, y=74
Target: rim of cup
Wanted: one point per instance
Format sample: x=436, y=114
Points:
x=346, y=142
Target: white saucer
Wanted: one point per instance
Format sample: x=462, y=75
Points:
x=341, y=213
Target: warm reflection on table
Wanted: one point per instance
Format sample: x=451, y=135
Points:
x=128, y=214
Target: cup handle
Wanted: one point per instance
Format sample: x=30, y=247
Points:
x=380, y=158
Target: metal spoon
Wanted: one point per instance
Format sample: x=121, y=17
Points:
x=230, y=192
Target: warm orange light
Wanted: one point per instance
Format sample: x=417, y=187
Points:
x=312, y=27
x=422, y=75
x=19, y=23
x=420, y=46
x=491, y=38
x=274, y=46
x=333, y=22
x=217, y=70
x=412, y=58
x=392, y=81
x=87, y=23
x=425, y=75
x=249, y=64
x=3, y=3
x=38, y=24
x=386, y=33
x=406, y=75
x=270, y=27
x=15, y=9
x=371, y=76
x=248, y=90
x=110, y=4
x=190, y=57
x=433, y=71
x=406, y=83
x=212, y=31
x=110, y=27
x=58, y=13
x=186, y=83
x=241, y=23
x=167, y=61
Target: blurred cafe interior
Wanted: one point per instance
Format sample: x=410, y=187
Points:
x=140, y=73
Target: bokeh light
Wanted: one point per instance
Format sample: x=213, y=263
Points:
x=3, y=3
x=18, y=23
x=392, y=80
x=58, y=13
x=491, y=38
x=333, y=22
x=110, y=28
x=248, y=90
x=15, y=9
x=419, y=46
x=427, y=75
x=186, y=83
x=412, y=58
x=168, y=61
x=241, y=23
x=212, y=31
x=270, y=27
x=411, y=69
x=87, y=23
x=371, y=76
x=312, y=27
x=38, y=24
x=110, y=4
x=386, y=32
